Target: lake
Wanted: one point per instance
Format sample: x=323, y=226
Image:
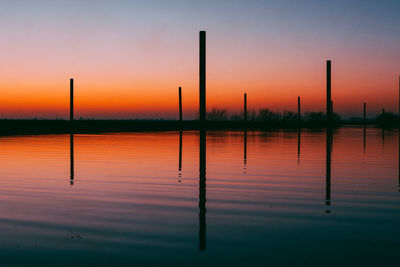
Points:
x=245, y=198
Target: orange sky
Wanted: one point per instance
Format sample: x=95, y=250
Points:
x=129, y=65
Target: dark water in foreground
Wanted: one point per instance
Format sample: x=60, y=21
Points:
x=254, y=198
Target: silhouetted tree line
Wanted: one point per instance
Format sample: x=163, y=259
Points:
x=267, y=115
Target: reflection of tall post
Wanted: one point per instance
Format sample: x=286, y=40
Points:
x=202, y=76
x=298, y=109
x=71, y=99
x=180, y=104
x=202, y=190
x=180, y=153
x=298, y=145
x=245, y=107
x=328, y=168
x=328, y=92
x=71, y=159
x=399, y=161
x=245, y=149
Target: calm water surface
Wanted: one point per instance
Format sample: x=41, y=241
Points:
x=291, y=198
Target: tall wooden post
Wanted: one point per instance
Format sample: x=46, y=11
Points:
x=180, y=104
x=328, y=92
x=71, y=99
x=298, y=109
x=202, y=77
x=245, y=107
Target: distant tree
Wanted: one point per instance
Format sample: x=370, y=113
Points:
x=289, y=116
x=387, y=118
x=217, y=114
x=316, y=117
x=267, y=115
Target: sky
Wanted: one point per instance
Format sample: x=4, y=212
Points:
x=128, y=58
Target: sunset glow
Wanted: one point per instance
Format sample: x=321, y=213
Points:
x=129, y=59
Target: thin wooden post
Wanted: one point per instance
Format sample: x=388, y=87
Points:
x=245, y=107
x=180, y=104
x=328, y=92
x=202, y=77
x=298, y=109
x=71, y=99
x=365, y=113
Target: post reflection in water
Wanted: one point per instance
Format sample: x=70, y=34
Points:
x=298, y=145
x=399, y=158
x=202, y=190
x=328, y=168
x=71, y=159
x=180, y=154
x=365, y=133
x=245, y=150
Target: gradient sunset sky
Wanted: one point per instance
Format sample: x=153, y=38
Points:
x=129, y=57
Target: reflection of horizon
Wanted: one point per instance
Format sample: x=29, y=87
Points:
x=71, y=158
x=202, y=190
x=328, y=168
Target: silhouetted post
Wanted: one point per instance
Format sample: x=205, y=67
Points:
x=202, y=76
x=180, y=153
x=365, y=113
x=298, y=109
x=328, y=168
x=202, y=190
x=71, y=159
x=245, y=107
x=383, y=111
x=180, y=104
x=328, y=92
x=71, y=99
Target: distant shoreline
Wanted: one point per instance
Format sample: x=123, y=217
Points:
x=23, y=126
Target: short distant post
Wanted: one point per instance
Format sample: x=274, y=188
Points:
x=328, y=92
x=180, y=104
x=298, y=109
x=365, y=113
x=71, y=99
x=383, y=111
x=202, y=76
x=245, y=107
